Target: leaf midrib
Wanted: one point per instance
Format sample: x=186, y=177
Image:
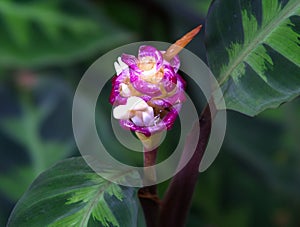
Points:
x=93, y=202
x=262, y=35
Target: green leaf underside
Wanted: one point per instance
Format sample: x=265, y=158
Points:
x=39, y=33
x=254, y=51
x=71, y=194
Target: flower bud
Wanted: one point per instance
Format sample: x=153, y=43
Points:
x=147, y=91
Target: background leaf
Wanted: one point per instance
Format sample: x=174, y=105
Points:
x=255, y=179
x=254, y=51
x=72, y=194
x=29, y=124
x=39, y=33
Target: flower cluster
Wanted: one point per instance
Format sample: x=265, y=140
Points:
x=147, y=91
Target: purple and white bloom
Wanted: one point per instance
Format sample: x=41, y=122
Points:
x=136, y=109
x=147, y=91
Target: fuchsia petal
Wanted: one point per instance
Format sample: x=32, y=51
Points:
x=147, y=131
x=181, y=82
x=179, y=96
x=114, y=91
x=129, y=125
x=169, y=80
x=146, y=98
x=174, y=63
x=161, y=103
x=149, y=51
x=131, y=61
x=115, y=97
x=170, y=118
x=146, y=87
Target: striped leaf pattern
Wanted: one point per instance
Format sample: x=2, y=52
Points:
x=253, y=48
x=72, y=194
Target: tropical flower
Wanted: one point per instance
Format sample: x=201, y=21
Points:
x=147, y=91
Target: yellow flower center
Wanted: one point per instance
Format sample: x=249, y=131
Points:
x=147, y=64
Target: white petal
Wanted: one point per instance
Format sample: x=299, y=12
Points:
x=136, y=103
x=125, y=90
x=122, y=64
x=117, y=68
x=121, y=112
x=137, y=121
x=143, y=114
x=148, y=118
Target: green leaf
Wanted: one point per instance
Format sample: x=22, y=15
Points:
x=253, y=49
x=31, y=141
x=42, y=33
x=72, y=194
x=26, y=128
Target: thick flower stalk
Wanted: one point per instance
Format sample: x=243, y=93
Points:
x=147, y=91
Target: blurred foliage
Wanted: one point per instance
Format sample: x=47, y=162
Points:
x=39, y=33
x=255, y=180
x=32, y=128
x=45, y=48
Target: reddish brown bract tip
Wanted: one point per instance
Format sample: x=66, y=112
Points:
x=175, y=48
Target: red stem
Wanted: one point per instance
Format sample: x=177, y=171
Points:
x=148, y=195
x=176, y=203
